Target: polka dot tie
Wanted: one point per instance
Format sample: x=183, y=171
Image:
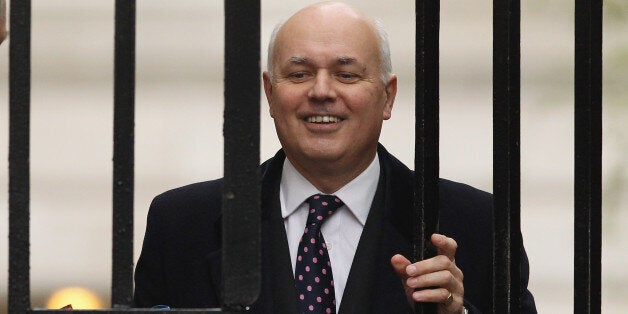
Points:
x=314, y=280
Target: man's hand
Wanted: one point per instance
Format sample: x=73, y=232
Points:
x=437, y=277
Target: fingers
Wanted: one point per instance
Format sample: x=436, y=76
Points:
x=436, y=271
x=443, y=278
x=438, y=295
x=445, y=246
x=436, y=277
x=432, y=265
x=400, y=263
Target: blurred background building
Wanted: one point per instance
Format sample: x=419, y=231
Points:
x=179, y=109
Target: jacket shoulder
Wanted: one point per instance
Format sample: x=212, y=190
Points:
x=192, y=192
x=465, y=200
x=188, y=203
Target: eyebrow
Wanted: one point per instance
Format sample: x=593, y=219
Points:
x=345, y=60
x=298, y=60
x=342, y=60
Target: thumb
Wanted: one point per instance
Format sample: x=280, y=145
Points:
x=399, y=263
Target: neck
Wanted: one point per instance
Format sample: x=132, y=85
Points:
x=329, y=177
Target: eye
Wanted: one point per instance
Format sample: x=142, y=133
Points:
x=347, y=77
x=298, y=76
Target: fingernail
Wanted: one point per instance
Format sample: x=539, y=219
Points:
x=417, y=296
x=411, y=269
x=439, y=237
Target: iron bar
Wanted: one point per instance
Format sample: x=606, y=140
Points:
x=123, y=154
x=588, y=157
x=506, y=157
x=19, y=156
x=241, y=277
x=426, y=160
x=133, y=311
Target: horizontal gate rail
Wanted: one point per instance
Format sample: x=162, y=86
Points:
x=134, y=311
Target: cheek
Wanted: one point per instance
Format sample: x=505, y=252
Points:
x=285, y=102
x=368, y=104
x=279, y=108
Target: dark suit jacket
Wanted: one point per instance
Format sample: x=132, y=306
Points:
x=180, y=261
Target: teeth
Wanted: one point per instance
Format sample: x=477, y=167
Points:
x=323, y=119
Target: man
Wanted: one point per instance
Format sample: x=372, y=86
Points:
x=329, y=87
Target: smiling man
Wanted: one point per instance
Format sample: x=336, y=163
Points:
x=328, y=93
x=336, y=206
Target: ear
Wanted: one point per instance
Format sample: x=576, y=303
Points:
x=391, y=92
x=268, y=90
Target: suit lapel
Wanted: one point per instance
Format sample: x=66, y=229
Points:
x=278, y=293
x=396, y=234
x=373, y=286
x=358, y=291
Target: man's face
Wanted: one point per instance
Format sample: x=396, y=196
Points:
x=326, y=95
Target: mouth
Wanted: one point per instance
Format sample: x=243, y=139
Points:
x=323, y=119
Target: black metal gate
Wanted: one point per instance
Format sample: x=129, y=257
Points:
x=242, y=24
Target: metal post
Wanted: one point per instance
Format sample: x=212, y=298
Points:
x=506, y=156
x=588, y=157
x=241, y=277
x=123, y=154
x=19, y=156
x=426, y=133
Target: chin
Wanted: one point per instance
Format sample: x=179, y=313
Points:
x=318, y=152
x=323, y=154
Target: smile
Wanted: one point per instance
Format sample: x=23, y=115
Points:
x=323, y=119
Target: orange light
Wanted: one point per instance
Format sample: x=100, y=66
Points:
x=80, y=298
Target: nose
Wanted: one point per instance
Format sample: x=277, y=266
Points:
x=322, y=89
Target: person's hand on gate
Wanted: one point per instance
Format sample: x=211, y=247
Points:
x=438, y=277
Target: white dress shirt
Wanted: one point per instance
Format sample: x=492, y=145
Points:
x=341, y=230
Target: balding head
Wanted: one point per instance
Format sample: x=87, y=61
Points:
x=330, y=92
x=334, y=16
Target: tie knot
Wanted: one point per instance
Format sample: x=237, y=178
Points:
x=321, y=207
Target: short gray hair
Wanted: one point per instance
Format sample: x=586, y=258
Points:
x=385, y=63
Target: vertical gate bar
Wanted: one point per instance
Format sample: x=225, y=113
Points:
x=123, y=154
x=516, y=245
x=19, y=156
x=506, y=157
x=241, y=277
x=588, y=156
x=426, y=160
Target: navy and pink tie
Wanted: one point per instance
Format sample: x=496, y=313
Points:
x=314, y=280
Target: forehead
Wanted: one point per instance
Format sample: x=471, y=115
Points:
x=327, y=35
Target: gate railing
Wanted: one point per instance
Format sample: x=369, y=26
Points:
x=241, y=152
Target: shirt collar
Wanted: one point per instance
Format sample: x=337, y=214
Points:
x=295, y=189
